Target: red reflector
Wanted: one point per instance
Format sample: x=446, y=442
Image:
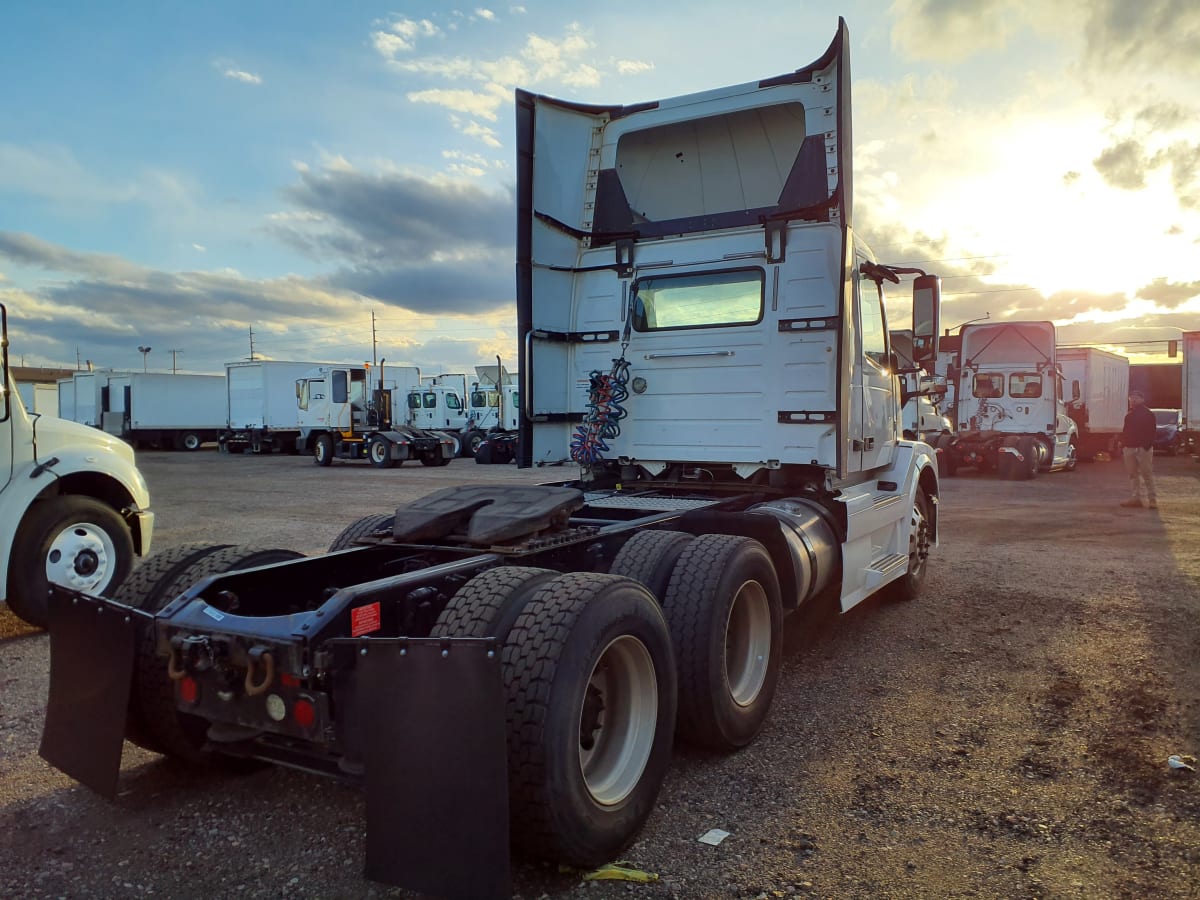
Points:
x=189, y=691
x=304, y=713
x=287, y=679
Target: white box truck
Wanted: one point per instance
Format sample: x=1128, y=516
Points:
x=1100, y=382
x=261, y=414
x=687, y=269
x=74, y=510
x=180, y=412
x=39, y=397
x=1191, y=391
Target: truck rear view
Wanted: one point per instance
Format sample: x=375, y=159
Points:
x=705, y=336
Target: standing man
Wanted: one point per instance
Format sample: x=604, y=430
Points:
x=1137, y=439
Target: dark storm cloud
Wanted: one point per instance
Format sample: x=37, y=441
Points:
x=1150, y=34
x=427, y=246
x=1169, y=294
x=27, y=250
x=1123, y=165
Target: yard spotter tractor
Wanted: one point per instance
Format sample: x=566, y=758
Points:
x=503, y=667
x=341, y=417
x=1011, y=414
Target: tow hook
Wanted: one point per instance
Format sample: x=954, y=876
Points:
x=260, y=657
x=181, y=649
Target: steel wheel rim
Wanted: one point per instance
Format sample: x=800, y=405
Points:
x=918, y=540
x=748, y=643
x=191, y=442
x=378, y=452
x=82, y=556
x=618, y=720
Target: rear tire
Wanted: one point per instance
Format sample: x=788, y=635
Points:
x=364, y=526
x=72, y=540
x=723, y=607
x=650, y=557
x=189, y=441
x=379, y=451
x=472, y=442
x=1027, y=468
x=488, y=604
x=590, y=687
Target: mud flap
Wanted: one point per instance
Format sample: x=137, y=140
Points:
x=431, y=717
x=92, y=646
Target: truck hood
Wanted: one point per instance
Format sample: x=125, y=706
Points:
x=51, y=432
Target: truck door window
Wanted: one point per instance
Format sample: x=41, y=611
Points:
x=452, y=402
x=1025, y=385
x=414, y=400
x=341, y=390
x=478, y=399
x=988, y=385
x=874, y=333
x=704, y=300
x=429, y=400
x=302, y=393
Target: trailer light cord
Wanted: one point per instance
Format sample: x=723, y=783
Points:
x=601, y=423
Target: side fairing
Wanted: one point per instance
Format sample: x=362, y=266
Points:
x=749, y=182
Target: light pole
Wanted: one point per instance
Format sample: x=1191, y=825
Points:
x=984, y=317
x=145, y=351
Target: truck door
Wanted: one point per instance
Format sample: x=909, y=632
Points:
x=874, y=387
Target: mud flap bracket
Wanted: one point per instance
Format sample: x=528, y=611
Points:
x=430, y=713
x=92, y=647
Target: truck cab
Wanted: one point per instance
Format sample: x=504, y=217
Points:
x=74, y=509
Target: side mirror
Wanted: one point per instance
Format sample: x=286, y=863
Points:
x=927, y=303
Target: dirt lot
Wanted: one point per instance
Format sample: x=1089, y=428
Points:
x=1004, y=736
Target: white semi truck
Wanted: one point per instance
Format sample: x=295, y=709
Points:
x=1100, y=381
x=704, y=333
x=1011, y=416
x=1190, y=427
x=74, y=510
x=180, y=412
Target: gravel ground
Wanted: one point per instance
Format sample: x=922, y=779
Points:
x=1004, y=736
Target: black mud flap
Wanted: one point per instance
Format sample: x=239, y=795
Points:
x=92, y=647
x=431, y=716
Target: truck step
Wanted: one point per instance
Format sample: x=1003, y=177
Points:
x=601, y=500
x=881, y=569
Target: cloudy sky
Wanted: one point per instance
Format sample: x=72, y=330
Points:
x=184, y=176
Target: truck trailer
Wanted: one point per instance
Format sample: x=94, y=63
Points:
x=180, y=412
x=261, y=414
x=1190, y=427
x=74, y=509
x=1100, y=380
x=703, y=334
x=1011, y=417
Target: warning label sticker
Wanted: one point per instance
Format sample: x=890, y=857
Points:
x=364, y=619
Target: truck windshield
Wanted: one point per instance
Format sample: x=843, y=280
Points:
x=1025, y=385
x=989, y=385
x=1166, y=417
x=705, y=300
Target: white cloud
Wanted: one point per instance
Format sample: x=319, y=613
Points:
x=475, y=130
x=486, y=14
x=633, y=66
x=401, y=36
x=517, y=10
x=243, y=76
x=199, y=248
x=474, y=103
x=582, y=76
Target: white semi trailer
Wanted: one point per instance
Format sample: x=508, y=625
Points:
x=74, y=510
x=704, y=333
x=1100, y=381
x=180, y=412
x=1191, y=391
x=260, y=412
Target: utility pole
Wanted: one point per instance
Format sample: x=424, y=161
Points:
x=174, y=370
x=252, y=356
x=374, y=344
x=78, y=361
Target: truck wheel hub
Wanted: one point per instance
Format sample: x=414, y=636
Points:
x=80, y=558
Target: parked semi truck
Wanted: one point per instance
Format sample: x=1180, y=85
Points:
x=1011, y=415
x=261, y=413
x=1100, y=381
x=1191, y=391
x=180, y=412
x=704, y=334
x=74, y=509
x=344, y=414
